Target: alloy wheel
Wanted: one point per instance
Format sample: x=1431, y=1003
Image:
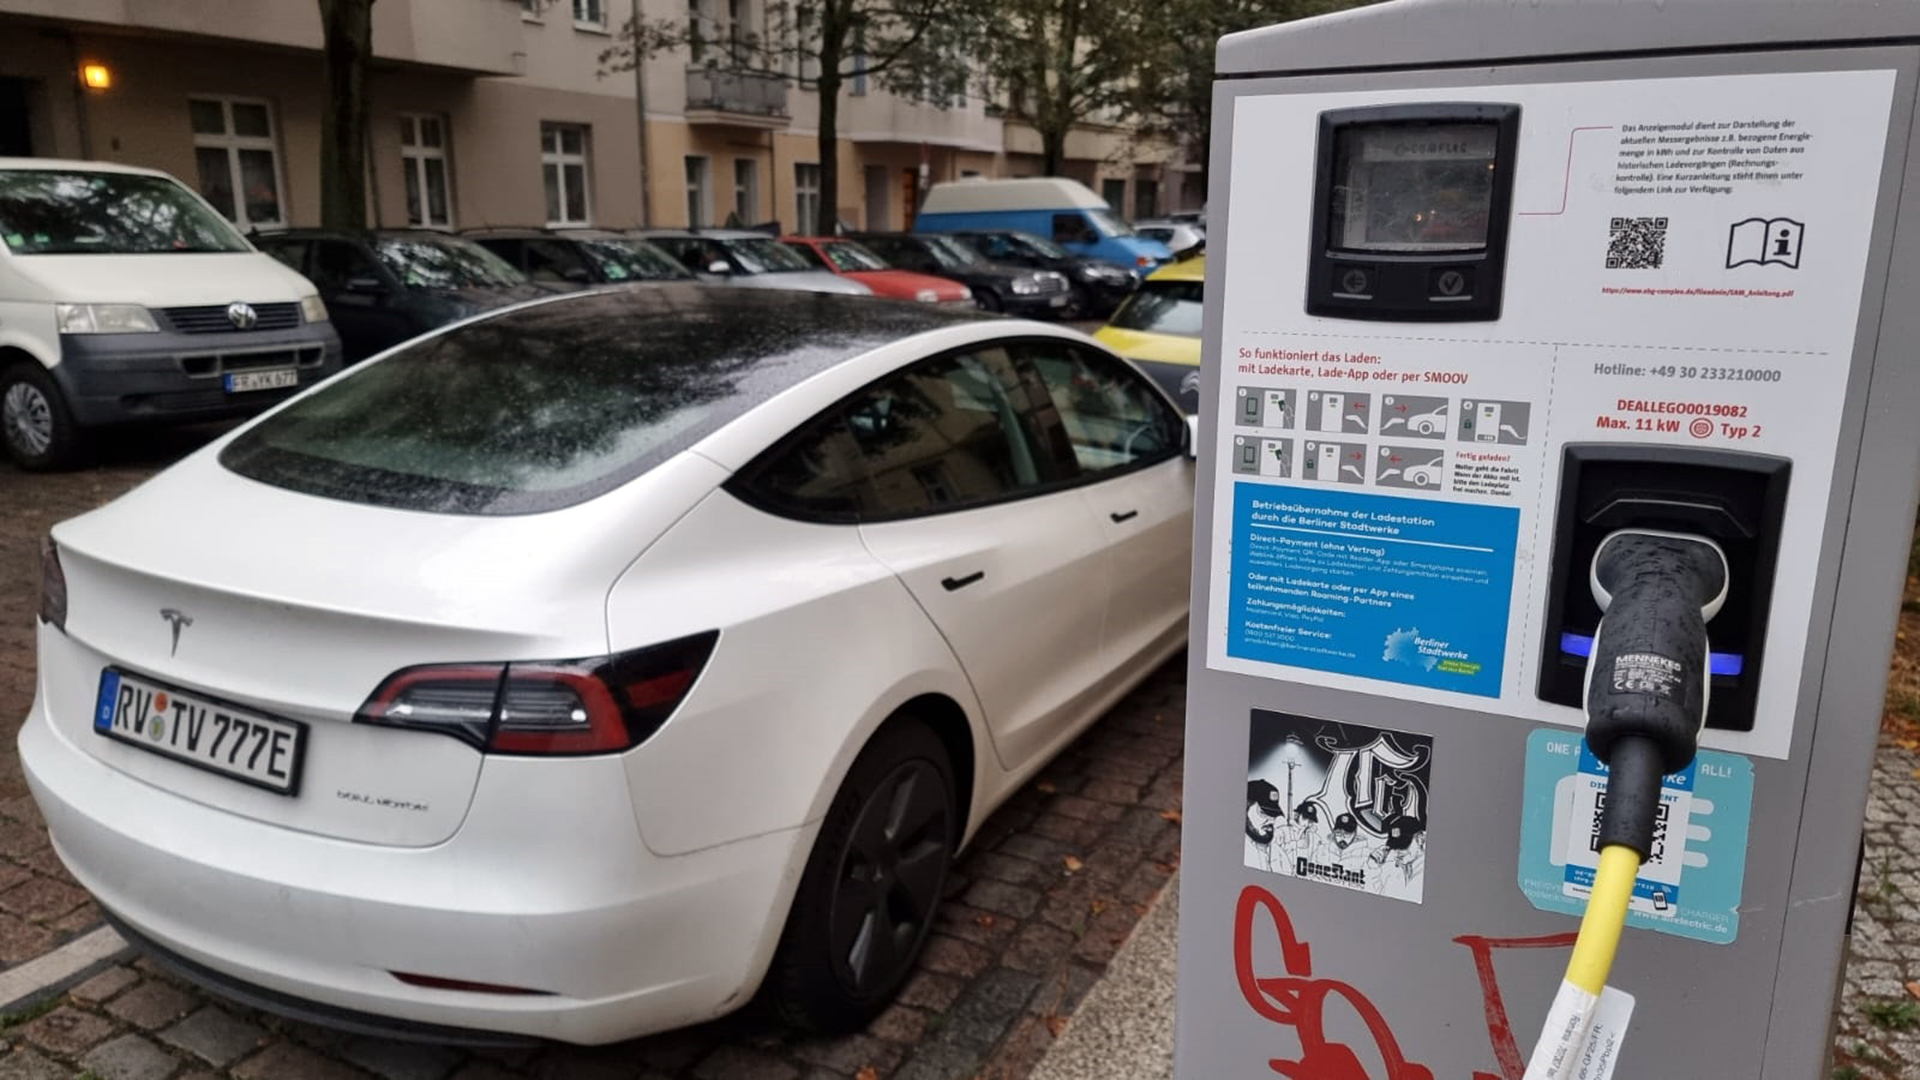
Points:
x=890, y=877
x=27, y=417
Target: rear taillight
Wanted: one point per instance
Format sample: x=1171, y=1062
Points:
x=53, y=585
x=595, y=706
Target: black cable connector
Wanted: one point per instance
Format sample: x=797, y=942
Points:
x=1647, y=676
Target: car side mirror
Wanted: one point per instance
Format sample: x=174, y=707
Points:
x=1192, y=441
x=719, y=266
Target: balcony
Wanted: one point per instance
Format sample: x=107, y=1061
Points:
x=736, y=98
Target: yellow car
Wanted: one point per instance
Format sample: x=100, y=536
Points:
x=1158, y=328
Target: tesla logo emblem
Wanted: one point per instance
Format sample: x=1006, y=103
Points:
x=242, y=316
x=179, y=621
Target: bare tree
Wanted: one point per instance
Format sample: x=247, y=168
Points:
x=910, y=47
x=348, y=29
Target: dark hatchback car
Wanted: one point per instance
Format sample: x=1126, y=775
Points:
x=579, y=258
x=1098, y=285
x=1012, y=289
x=385, y=286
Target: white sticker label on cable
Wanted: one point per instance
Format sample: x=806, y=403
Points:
x=1582, y=1036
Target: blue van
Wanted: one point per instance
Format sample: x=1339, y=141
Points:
x=1065, y=210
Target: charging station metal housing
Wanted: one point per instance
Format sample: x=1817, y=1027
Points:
x=1452, y=976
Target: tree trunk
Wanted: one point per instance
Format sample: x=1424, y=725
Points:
x=348, y=26
x=1053, y=148
x=833, y=38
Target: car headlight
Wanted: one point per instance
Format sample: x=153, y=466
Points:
x=104, y=319
x=927, y=296
x=313, y=309
x=1111, y=274
x=1026, y=285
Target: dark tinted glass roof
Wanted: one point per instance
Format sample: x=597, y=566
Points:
x=553, y=403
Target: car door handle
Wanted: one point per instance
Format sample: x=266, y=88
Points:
x=955, y=584
x=1126, y=516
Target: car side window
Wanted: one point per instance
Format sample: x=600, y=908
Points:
x=904, y=254
x=1114, y=420
x=555, y=262
x=291, y=252
x=954, y=432
x=1068, y=228
x=509, y=248
x=812, y=257
x=336, y=262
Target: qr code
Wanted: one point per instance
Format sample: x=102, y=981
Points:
x=1638, y=243
x=1661, y=819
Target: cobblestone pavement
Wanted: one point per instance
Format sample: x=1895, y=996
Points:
x=1054, y=883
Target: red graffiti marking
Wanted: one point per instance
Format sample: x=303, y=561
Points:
x=1297, y=1000
x=1499, y=1029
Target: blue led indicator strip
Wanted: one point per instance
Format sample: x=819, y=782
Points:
x=1720, y=663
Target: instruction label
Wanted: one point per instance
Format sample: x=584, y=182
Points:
x=1388, y=588
x=1685, y=261
x=1690, y=884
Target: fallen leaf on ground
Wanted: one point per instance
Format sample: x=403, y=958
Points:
x=983, y=920
x=1914, y=988
x=1045, y=787
x=1171, y=815
x=1073, y=864
x=1099, y=906
x=1056, y=1024
x=868, y=1073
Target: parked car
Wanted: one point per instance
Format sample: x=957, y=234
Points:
x=1182, y=238
x=1010, y=289
x=384, y=286
x=1098, y=285
x=847, y=258
x=578, y=258
x=752, y=259
x=1158, y=328
x=495, y=701
x=125, y=298
x=1062, y=210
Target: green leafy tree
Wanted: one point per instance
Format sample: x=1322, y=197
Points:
x=909, y=47
x=1063, y=62
x=347, y=26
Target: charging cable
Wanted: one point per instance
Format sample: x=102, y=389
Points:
x=1646, y=698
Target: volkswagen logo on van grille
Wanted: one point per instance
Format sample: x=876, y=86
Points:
x=242, y=316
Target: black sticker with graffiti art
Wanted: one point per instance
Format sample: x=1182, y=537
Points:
x=1340, y=804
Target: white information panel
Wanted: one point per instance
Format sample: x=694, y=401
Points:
x=1684, y=267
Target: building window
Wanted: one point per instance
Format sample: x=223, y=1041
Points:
x=860, y=61
x=563, y=158
x=530, y=9
x=1146, y=198
x=1114, y=191
x=699, y=29
x=746, y=189
x=699, y=200
x=239, y=167
x=590, y=14
x=423, y=157
x=806, y=199
x=739, y=34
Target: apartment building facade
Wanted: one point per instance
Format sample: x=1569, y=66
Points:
x=502, y=112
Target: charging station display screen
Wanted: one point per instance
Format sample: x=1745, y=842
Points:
x=1414, y=187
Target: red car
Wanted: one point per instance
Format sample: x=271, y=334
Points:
x=849, y=259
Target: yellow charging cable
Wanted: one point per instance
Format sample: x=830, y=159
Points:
x=1605, y=918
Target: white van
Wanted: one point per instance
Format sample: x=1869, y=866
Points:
x=125, y=298
x=1065, y=211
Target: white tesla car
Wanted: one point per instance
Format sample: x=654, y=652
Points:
x=585, y=667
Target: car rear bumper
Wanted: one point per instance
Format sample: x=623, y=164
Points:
x=174, y=377
x=547, y=886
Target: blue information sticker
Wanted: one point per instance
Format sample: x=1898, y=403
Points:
x=1689, y=886
x=1405, y=590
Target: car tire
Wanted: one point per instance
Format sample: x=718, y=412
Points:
x=872, y=885
x=988, y=301
x=35, y=424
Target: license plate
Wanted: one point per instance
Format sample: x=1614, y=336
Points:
x=239, y=382
x=1058, y=301
x=264, y=751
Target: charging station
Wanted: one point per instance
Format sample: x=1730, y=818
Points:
x=1559, y=471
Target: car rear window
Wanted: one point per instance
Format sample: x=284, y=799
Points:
x=550, y=405
x=1164, y=307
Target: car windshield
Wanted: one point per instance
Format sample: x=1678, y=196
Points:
x=764, y=256
x=54, y=212
x=1038, y=245
x=848, y=257
x=424, y=261
x=1109, y=224
x=633, y=260
x=546, y=406
x=1164, y=307
x=953, y=254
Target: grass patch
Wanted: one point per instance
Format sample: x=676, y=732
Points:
x=9, y=1021
x=1894, y=1014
